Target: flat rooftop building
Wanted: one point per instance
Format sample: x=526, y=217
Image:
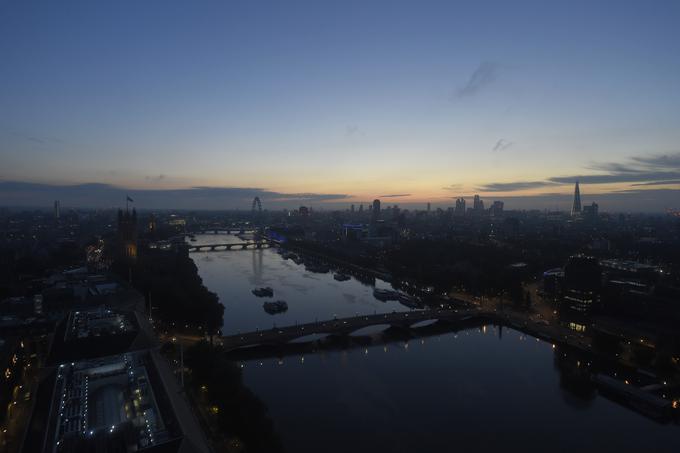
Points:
x=97, y=332
x=97, y=323
x=114, y=403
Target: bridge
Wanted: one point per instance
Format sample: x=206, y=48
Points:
x=222, y=231
x=383, y=337
x=230, y=246
x=345, y=326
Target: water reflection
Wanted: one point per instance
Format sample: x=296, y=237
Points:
x=434, y=387
x=473, y=389
x=309, y=295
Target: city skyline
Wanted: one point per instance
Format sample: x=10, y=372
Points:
x=418, y=105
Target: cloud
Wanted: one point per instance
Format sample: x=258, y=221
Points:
x=23, y=136
x=16, y=193
x=512, y=186
x=617, y=177
x=660, y=161
x=657, y=183
x=502, y=145
x=485, y=74
x=395, y=195
x=351, y=130
x=453, y=187
x=639, y=171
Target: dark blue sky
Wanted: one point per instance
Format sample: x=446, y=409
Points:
x=429, y=99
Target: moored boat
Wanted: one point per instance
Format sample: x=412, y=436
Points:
x=385, y=294
x=263, y=292
x=275, y=307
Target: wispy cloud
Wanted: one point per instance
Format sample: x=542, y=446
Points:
x=502, y=145
x=639, y=171
x=658, y=183
x=13, y=193
x=27, y=137
x=453, y=187
x=485, y=74
x=395, y=195
x=513, y=186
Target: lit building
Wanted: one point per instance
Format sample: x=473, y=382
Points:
x=57, y=209
x=582, y=283
x=115, y=403
x=127, y=234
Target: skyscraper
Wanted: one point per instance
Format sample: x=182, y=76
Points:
x=460, y=207
x=376, y=210
x=477, y=204
x=57, y=209
x=576, y=206
x=496, y=208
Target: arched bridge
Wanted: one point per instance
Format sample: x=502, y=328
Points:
x=233, y=230
x=345, y=326
x=230, y=246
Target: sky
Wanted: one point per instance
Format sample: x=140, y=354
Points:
x=332, y=103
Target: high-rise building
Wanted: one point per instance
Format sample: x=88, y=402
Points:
x=576, y=206
x=590, y=211
x=351, y=208
x=477, y=204
x=428, y=207
x=582, y=283
x=460, y=207
x=376, y=210
x=57, y=209
x=496, y=208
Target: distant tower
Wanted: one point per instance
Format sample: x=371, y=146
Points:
x=460, y=207
x=376, y=210
x=351, y=208
x=428, y=207
x=57, y=209
x=127, y=234
x=477, y=204
x=256, y=207
x=576, y=206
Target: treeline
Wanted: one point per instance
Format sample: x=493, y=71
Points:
x=240, y=414
x=479, y=268
x=175, y=290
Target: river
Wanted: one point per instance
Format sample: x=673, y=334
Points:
x=479, y=389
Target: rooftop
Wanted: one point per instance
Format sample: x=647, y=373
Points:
x=109, y=404
x=98, y=322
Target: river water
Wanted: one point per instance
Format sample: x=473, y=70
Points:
x=479, y=389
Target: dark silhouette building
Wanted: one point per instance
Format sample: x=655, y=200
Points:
x=460, y=207
x=376, y=210
x=582, y=284
x=576, y=205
